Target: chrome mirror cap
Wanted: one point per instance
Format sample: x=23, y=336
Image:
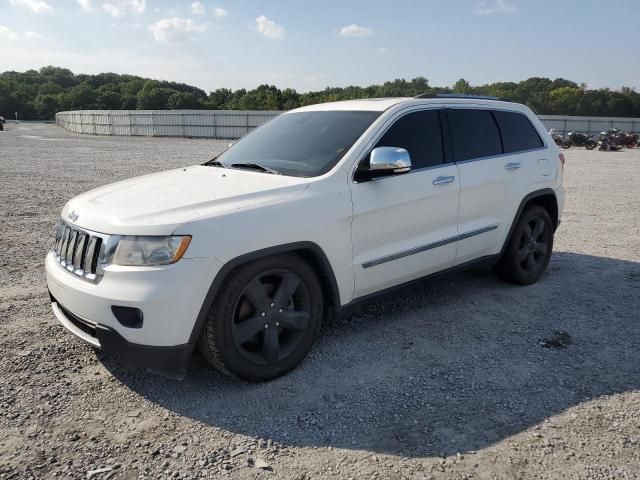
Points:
x=389, y=159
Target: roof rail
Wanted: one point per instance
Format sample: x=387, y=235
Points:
x=460, y=95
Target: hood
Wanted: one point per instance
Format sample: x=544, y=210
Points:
x=158, y=203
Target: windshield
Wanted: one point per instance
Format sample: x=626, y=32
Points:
x=301, y=144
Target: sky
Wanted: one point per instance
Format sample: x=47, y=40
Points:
x=311, y=45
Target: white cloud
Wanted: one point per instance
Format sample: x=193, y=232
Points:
x=174, y=28
x=495, y=6
x=220, y=12
x=268, y=28
x=197, y=8
x=120, y=8
x=86, y=5
x=6, y=32
x=382, y=50
x=36, y=6
x=29, y=35
x=355, y=30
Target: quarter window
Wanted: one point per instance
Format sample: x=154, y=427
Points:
x=517, y=132
x=474, y=134
x=420, y=134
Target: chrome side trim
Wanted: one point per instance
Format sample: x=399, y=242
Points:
x=428, y=246
x=501, y=155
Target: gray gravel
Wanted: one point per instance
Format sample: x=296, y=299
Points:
x=458, y=377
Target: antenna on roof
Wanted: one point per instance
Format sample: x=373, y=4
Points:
x=460, y=95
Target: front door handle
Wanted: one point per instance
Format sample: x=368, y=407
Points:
x=512, y=166
x=443, y=180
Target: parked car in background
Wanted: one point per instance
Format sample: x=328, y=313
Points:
x=319, y=209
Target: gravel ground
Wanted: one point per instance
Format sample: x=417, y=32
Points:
x=451, y=378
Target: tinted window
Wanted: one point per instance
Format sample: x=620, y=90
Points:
x=517, y=132
x=474, y=134
x=419, y=133
x=302, y=144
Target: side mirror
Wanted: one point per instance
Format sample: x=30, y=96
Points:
x=389, y=160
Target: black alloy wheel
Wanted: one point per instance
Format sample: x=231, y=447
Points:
x=528, y=250
x=271, y=316
x=264, y=318
x=533, y=245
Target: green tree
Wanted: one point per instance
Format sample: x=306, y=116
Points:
x=153, y=98
x=36, y=93
x=461, y=86
x=183, y=100
x=46, y=106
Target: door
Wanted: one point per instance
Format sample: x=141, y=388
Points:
x=493, y=178
x=405, y=225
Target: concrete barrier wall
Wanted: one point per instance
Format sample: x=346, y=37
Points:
x=232, y=124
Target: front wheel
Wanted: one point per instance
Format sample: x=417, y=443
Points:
x=529, y=249
x=567, y=144
x=590, y=145
x=264, y=319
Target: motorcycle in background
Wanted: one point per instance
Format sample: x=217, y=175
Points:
x=629, y=140
x=579, y=140
x=609, y=141
x=556, y=136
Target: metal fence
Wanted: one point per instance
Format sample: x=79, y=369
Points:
x=590, y=125
x=233, y=124
x=165, y=123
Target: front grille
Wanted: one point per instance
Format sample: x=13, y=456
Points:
x=79, y=323
x=77, y=251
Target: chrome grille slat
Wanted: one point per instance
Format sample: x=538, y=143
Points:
x=90, y=255
x=70, y=248
x=78, y=251
x=62, y=252
x=78, y=255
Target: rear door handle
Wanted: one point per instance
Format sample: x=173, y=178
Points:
x=443, y=180
x=512, y=166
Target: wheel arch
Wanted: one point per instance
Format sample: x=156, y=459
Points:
x=546, y=198
x=309, y=251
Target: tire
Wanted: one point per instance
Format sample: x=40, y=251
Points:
x=529, y=249
x=590, y=145
x=567, y=144
x=281, y=292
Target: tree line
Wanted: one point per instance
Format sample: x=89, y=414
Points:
x=39, y=94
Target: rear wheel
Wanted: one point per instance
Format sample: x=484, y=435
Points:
x=590, y=145
x=529, y=249
x=265, y=318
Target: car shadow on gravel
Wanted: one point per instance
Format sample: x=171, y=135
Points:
x=452, y=364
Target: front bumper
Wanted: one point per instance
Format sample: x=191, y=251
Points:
x=170, y=298
x=171, y=361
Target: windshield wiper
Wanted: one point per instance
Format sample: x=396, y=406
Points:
x=214, y=163
x=255, y=166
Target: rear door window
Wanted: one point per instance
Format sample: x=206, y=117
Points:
x=420, y=134
x=517, y=132
x=474, y=134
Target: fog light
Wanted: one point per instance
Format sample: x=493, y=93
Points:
x=128, y=316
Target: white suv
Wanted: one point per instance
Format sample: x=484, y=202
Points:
x=317, y=209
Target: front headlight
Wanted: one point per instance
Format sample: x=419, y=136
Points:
x=149, y=251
